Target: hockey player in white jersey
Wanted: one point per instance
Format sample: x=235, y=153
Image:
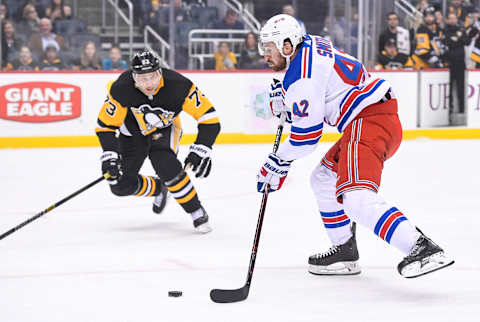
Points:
x=325, y=85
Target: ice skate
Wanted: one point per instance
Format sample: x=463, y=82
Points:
x=338, y=260
x=200, y=223
x=425, y=257
x=160, y=201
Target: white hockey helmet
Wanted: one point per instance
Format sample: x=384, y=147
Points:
x=278, y=29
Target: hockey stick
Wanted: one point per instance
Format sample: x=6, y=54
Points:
x=55, y=205
x=240, y=294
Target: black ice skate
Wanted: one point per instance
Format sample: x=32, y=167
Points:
x=161, y=200
x=425, y=257
x=338, y=260
x=201, y=223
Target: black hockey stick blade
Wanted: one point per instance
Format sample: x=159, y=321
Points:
x=229, y=296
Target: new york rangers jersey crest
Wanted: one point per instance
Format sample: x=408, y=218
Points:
x=324, y=85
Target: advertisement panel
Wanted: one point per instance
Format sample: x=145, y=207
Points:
x=40, y=102
x=404, y=84
x=473, y=99
x=434, y=98
x=51, y=104
x=66, y=104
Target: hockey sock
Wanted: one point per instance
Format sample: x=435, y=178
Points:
x=337, y=225
x=335, y=220
x=184, y=192
x=147, y=186
x=387, y=222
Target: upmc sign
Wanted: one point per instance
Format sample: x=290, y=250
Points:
x=39, y=102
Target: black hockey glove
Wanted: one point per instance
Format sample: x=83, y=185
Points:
x=199, y=159
x=111, y=164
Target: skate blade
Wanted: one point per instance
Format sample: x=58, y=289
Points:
x=203, y=228
x=341, y=268
x=158, y=209
x=427, y=265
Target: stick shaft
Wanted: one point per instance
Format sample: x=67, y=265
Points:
x=55, y=205
x=263, y=206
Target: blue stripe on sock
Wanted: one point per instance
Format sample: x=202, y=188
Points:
x=382, y=219
x=338, y=224
x=392, y=228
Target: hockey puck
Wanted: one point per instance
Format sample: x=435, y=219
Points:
x=174, y=293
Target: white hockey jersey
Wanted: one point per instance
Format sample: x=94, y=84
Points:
x=324, y=85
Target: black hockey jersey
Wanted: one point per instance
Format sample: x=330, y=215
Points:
x=428, y=45
x=399, y=61
x=131, y=112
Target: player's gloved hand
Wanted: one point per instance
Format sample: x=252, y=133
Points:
x=276, y=100
x=199, y=159
x=433, y=60
x=277, y=105
x=111, y=165
x=273, y=172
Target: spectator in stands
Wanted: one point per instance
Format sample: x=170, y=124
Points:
x=24, y=62
x=224, y=57
x=230, y=21
x=11, y=43
x=422, y=5
x=456, y=38
x=249, y=56
x=141, y=12
x=58, y=10
x=333, y=32
x=39, y=8
x=158, y=19
x=429, y=48
x=89, y=59
x=390, y=58
x=30, y=22
x=51, y=60
x=41, y=40
x=475, y=54
x=400, y=35
x=288, y=9
x=461, y=11
x=3, y=12
x=180, y=12
x=153, y=19
x=439, y=20
x=114, y=60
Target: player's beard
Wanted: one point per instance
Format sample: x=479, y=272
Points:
x=281, y=66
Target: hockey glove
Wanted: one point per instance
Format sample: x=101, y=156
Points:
x=111, y=165
x=434, y=61
x=199, y=159
x=273, y=173
x=276, y=100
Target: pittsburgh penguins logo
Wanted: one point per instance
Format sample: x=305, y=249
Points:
x=150, y=118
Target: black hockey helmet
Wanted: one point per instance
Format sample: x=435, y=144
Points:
x=145, y=62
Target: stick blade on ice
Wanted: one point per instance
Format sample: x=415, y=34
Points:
x=229, y=296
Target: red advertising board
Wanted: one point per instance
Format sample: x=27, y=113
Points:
x=40, y=102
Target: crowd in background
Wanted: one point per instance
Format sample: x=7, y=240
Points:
x=31, y=40
x=439, y=42
x=33, y=37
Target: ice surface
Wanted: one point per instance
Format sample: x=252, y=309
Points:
x=103, y=258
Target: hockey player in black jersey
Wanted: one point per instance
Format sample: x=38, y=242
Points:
x=429, y=50
x=140, y=119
